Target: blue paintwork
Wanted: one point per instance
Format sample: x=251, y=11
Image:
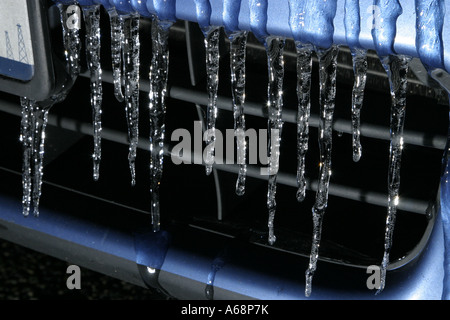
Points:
x=430, y=21
x=123, y=6
x=352, y=23
x=400, y=15
x=140, y=6
x=231, y=9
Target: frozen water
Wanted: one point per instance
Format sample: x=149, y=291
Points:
x=32, y=136
x=212, y=37
x=159, y=70
x=327, y=74
x=275, y=49
x=360, y=71
x=131, y=50
x=92, y=21
x=352, y=23
x=304, y=66
x=35, y=114
x=238, y=45
x=116, y=23
x=397, y=69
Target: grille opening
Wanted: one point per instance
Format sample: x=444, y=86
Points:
x=353, y=230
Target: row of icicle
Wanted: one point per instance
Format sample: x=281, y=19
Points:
x=125, y=65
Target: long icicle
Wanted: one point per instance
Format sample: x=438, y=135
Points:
x=131, y=51
x=396, y=66
x=275, y=60
x=238, y=45
x=159, y=70
x=327, y=73
x=92, y=22
x=35, y=114
x=26, y=138
x=304, y=66
x=212, y=36
x=397, y=69
x=352, y=22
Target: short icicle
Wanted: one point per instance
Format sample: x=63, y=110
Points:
x=117, y=38
x=32, y=136
x=92, y=21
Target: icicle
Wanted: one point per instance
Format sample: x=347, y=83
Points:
x=360, y=71
x=397, y=69
x=352, y=22
x=304, y=66
x=131, y=50
x=327, y=73
x=238, y=44
x=275, y=61
x=212, y=35
x=26, y=138
x=92, y=21
x=158, y=85
x=32, y=136
x=297, y=18
x=275, y=50
x=117, y=39
x=35, y=114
